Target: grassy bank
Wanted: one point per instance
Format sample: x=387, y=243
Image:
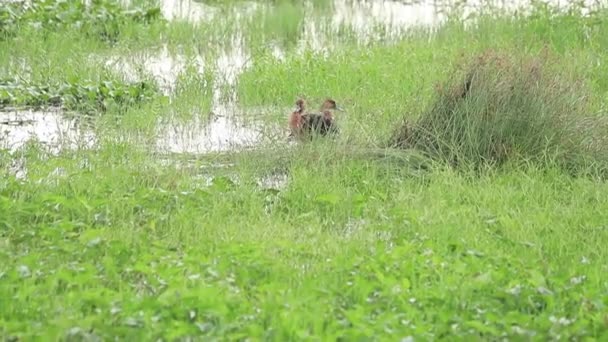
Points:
x=350, y=249
x=359, y=243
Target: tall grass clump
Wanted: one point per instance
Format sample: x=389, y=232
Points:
x=504, y=106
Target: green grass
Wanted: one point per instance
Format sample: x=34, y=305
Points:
x=362, y=242
x=351, y=248
x=502, y=106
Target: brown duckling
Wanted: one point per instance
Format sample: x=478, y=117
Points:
x=296, y=119
x=322, y=123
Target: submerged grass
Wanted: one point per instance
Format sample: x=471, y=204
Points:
x=358, y=243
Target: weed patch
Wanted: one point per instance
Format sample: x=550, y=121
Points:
x=101, y=19
x=499, y=106
x=85, y=96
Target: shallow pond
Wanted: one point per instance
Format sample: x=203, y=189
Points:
x=225, y=129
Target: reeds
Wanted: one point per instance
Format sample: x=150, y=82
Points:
x=501, y=106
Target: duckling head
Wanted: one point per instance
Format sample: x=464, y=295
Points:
x=330, y=104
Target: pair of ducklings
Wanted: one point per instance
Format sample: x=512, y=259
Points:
x=304, y=124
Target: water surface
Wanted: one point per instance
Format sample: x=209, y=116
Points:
x=50, y=127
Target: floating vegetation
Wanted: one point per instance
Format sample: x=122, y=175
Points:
x=86, y=97
x=100, y=18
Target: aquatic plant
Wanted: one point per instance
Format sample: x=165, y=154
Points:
x=84, y=96
x=99, y=18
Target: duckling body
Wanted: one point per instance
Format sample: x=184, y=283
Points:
x=320, y=123
x=308, y=124
x=296, y=119
x=323, y=122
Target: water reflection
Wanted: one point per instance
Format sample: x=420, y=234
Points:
x=231, y=130
x=219, y=133
x=225, y=130
x=187, y=10
x=165, y=68
x=197, y=11
x=229, y=65
x=161, y=65
x=49, y=127
x=364, y=16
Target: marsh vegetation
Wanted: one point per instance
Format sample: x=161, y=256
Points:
x=148, y=190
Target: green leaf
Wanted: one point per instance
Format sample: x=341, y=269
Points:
x=222, y=184
x=482, y=327
x=328, y=199
x=537, y=279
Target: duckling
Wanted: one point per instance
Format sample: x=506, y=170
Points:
x=322, y=123
x=296, y=119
